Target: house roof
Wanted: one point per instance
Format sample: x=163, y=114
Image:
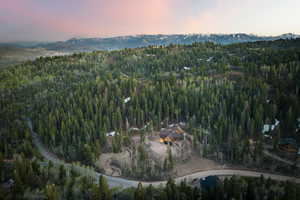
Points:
x=270, y=127
x=173, y=133
x=8, y=184
x=209, y=182
x=290, y=141
x=179, y=130
x=113, y=133
x=164, y=133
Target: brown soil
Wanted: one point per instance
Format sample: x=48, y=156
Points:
x=186, y=161
x=108, y=162
x=196, y=164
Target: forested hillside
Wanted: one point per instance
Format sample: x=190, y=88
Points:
x=135, y=41
x=225, y=95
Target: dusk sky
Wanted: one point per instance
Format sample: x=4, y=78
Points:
x=49, y=20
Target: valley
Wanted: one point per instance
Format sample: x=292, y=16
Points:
x=10, y=55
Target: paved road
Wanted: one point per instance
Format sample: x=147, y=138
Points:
x=230, y=172
x=112, y=181
x=125, y=183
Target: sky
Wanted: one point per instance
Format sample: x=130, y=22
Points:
x=53, y=20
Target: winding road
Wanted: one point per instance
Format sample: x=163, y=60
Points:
x=125, y=183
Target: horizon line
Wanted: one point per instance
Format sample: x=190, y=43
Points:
x=145, y=34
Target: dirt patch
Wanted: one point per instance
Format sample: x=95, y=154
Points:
x=110, y=163
x=187, y=162
x=157, y=147
x=231, y=75
x=195, y=164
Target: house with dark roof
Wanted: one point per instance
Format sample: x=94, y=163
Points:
x=209, y=182
x=9, y=184
x=288, y=145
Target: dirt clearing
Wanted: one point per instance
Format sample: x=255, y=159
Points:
x=195, y=164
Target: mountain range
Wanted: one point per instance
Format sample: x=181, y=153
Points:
x=121, y=42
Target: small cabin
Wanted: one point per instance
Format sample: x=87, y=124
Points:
x=112, y=134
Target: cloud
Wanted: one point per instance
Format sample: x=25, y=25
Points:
x=91, y=18
x=265, y=17
x=62, y=19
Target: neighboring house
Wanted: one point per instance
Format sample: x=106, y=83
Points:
x=268, y=128
x=113, y=133
x=288, y=145
x=9, y=184
x=209, y=182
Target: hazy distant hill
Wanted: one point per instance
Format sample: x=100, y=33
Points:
x=13, y=54
x=113, y=43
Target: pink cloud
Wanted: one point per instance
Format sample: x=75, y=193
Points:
x=95, y=18
x=62, y=19
x=126, y=17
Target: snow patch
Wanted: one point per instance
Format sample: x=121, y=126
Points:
x=267, y=136
x=182, y=123
x=172, y=125
x=134, y=129
x=163, y=38
x=113, y=133
x=209, y=59
x=127, y=100
x=276, y=122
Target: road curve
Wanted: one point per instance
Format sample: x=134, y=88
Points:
x=112, y=181
x=125, y=183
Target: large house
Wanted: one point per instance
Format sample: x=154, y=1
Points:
x=171, y=134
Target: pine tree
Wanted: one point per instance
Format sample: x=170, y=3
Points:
x=139, y=193
x=290, y=191
x=62, y=174
x=105, y=192
x=149, y=193
x=51, y=192
x=171, y=190
x=250, y=192
x=95, y=192
x=1, y=166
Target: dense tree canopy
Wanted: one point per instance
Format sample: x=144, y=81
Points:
x=225, y=94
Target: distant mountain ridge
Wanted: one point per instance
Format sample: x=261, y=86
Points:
x=121, y=42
